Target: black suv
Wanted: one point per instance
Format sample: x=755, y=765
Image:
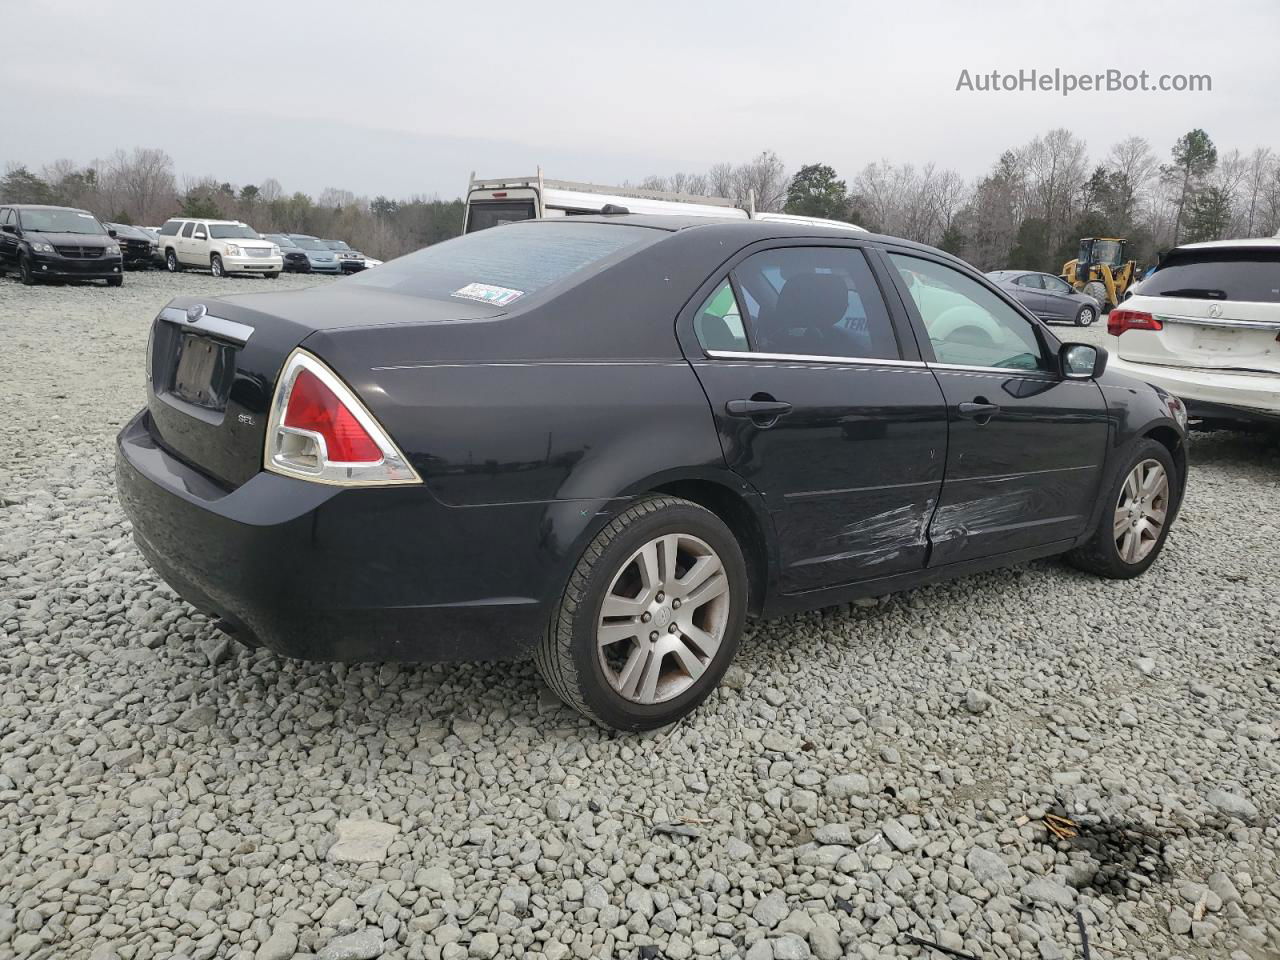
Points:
x=136, y=245
x=58, y=243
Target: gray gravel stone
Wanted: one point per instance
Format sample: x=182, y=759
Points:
x=362, y=945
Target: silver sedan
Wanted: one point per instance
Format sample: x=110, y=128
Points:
x=1050, y=298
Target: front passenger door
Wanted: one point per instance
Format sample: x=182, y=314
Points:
x=821, y=410
x=1026, y=447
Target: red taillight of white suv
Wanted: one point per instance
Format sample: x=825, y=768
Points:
x=320, y=431
x=1119, y=320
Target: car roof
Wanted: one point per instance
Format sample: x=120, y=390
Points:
x=745, y=231
x=1266, y=243
x=234, y=223
x=47, y=206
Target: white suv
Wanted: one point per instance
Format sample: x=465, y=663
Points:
x=222, y=247
x=1206, y=328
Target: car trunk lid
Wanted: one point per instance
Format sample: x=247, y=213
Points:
x=212, y=365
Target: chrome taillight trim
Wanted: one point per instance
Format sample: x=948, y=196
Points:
x=393, y=469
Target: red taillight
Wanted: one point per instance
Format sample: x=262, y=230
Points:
x=314, y=407
x=1118, y=321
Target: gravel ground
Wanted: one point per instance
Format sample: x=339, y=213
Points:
x=865, y=774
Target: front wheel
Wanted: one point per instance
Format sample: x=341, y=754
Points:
x=171, y=262
x=273, y=275
x=1098, y=291
x=25, y=273
x=215, y=266
x=115, y=281
x=1141, y=502
x=1086, y=316
x=651, y=616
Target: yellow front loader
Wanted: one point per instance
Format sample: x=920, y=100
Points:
x=1101, y=271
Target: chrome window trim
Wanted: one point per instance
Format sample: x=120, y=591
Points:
x=1219, y=321
x=1006, y=371
x=811, y=358
x=219, y=327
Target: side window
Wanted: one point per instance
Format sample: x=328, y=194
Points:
x=187, y=228
x=1056, y=285
x=6, y=216
x=169, y=229
x=967, y=323
x=820, y=301
x=718, y=322
x=1031, y=280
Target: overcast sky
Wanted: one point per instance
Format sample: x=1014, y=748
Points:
x=403, y=98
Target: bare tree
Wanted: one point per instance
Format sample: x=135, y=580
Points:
x=1135, y=168
x=1261, y=169
x=142, y=182
x=1056, y=166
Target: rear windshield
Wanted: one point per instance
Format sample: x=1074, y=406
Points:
x=232, y=231
x=60, y=221
x=483, y=214
x=1249, y=275
x=500, y=266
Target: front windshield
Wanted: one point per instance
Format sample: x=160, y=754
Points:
x=309, y=243
x=232, y=231
x=61, y=221
x=337, y=245
x=280, y=240
x=1107, y=251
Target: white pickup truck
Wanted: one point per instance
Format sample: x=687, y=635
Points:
x=222, y=247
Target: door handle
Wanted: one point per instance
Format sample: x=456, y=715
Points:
x=979, y=410
x=757, y=409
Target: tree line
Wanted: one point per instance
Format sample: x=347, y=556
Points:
x=1028, y=211
x=141, y=187
x=1031, y=209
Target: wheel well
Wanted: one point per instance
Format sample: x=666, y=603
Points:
x=741, y=521
x=1168, y=438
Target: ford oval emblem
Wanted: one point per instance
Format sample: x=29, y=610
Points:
x=195, y=312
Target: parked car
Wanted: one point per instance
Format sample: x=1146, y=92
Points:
x=296, y=259
x=57, y=243
x=603, y=441
x=320, y=259
x=1206, y=327
x=1050, y=298
x=137, y=247
x=351, y=261
x=222, y=247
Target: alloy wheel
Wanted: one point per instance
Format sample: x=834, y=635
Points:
x=1141, y=511
x=663, y=618
x=1087, y=316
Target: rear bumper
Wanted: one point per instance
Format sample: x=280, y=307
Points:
x=319, y=572
x=1249, y=394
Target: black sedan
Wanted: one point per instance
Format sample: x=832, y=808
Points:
x=604, y=441
x=1048, y=297
x=137, y=247
x=295, y=258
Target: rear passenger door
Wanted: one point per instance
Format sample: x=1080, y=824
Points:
x=185, y=243
x=1030, y=293
x=823, y=404
x=1026, y=445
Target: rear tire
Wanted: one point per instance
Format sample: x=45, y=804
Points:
x=1086, y=316
x=675, y=576
x=215, y=266
x=1125, y=544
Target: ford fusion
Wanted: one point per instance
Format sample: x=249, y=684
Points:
x=603, y=442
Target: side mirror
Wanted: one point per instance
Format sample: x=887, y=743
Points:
x=200, y=235
x=1082, y=361
x=10, y=228
x=112, y=233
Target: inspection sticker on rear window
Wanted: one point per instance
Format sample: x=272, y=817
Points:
x=488, y=293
